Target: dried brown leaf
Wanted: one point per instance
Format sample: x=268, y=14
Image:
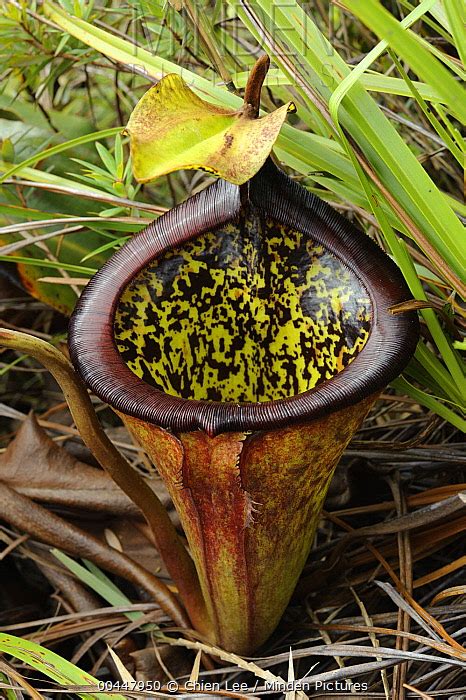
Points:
x=38, y=468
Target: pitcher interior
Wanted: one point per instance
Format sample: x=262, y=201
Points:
x=254, y=312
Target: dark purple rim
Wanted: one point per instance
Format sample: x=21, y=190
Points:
x=390, y=345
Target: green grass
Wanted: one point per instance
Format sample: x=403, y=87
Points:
x=51, y=665
x=344, y=145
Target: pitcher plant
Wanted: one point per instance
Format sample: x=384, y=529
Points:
x=242, y=337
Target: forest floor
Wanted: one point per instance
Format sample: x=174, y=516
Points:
x=381, y=602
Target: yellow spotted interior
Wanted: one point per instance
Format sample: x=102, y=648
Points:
x=252, y=312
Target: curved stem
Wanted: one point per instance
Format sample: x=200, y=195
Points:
x=21, y=512
x=177, y=560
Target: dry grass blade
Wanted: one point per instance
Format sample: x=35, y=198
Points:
x=194, y=675
x=419, y=499
x=12, y=546
x=96, y=615
x=411, y=521
x=373, y=630
x=20, y=680
x=293, y=694
x=406, y=578
x=441, y=572
x=422, y=695
x=373, y=638
x=126, y=676
x=354, y=671
x=79, y=281
x=414, y=610
x=448, y=592
x=239, y=662
x=355, y=651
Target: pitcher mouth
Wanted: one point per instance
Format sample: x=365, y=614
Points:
x=223, y=317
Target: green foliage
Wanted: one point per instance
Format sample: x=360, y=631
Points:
x=50, y=664
x=93, y=577
x=115, y=177
x=379, y=137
